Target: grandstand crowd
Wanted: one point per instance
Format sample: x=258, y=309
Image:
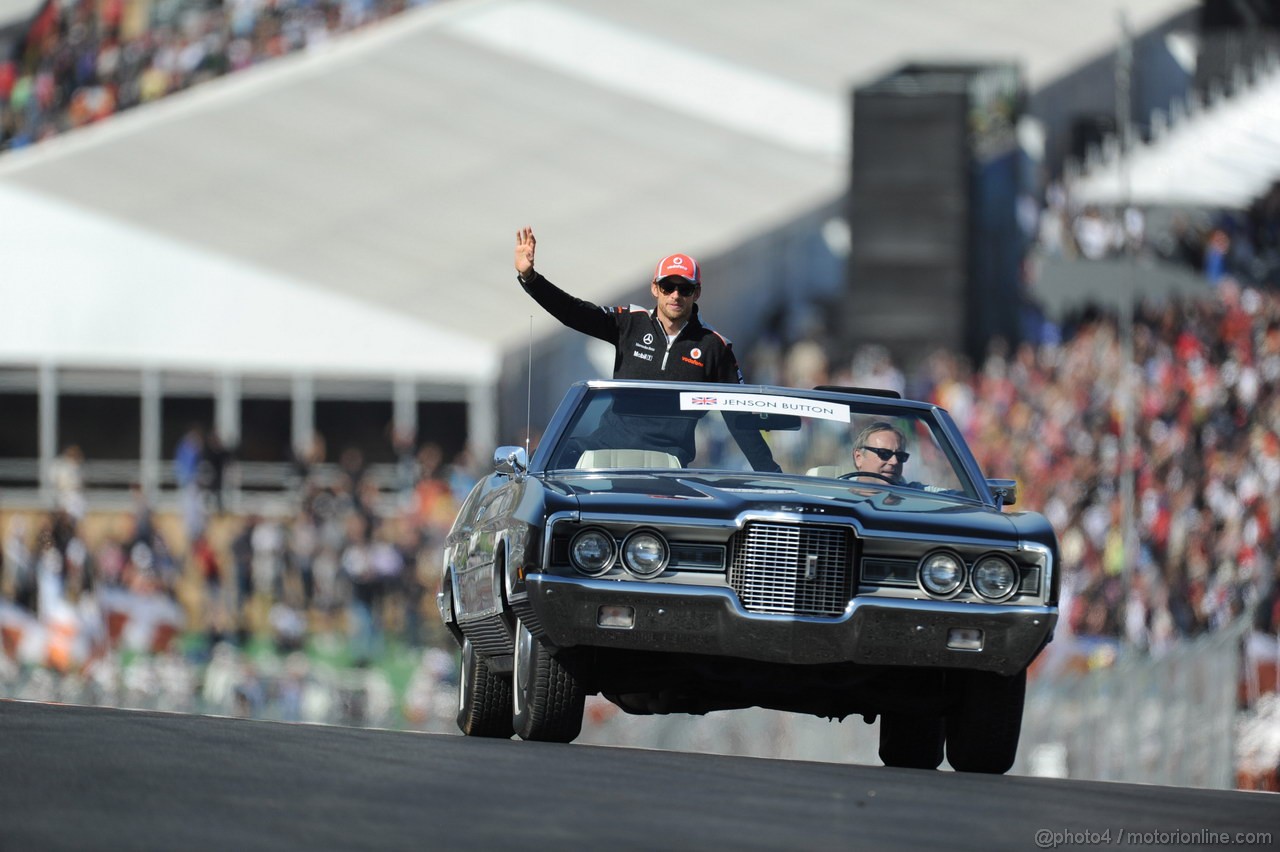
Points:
x=80, y=62
x=1241, y=245
x=1206, y=460
x=349, y=561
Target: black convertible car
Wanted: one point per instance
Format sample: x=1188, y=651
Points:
x=866, y=567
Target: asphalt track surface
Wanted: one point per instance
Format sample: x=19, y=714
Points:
x=89, y=778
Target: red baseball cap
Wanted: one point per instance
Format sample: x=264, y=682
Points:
x=679, y=266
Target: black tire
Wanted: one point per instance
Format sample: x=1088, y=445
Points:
x=484, y=698
x=984, y=727
x=908, y=741
x=547, y=700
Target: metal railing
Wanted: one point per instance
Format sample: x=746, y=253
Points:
x=1165, y=718
x=20, y=480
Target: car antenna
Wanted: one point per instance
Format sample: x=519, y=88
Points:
x=528, y=410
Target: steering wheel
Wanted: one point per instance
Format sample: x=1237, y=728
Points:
x=854, y=473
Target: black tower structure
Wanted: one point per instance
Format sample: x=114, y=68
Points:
x=936, y=250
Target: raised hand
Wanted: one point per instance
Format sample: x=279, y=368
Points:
x=526, y=245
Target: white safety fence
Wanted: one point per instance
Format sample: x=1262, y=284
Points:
x=284, y=688
x=1154, y=719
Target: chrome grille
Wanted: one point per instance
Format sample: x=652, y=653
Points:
x=792, y=569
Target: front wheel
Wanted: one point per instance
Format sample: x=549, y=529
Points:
x=484, y=698
x=546, y=699
x=984, y=727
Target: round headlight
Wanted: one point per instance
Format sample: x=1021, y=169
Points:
x=995, y=578
x=644, y=553
x=941, y=574
x=591, y=551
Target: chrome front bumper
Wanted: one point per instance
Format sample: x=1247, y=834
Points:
x=710, y=620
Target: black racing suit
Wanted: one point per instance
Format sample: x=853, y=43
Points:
x=698, y=354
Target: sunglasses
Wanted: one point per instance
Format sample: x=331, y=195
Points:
x=885, y=455
x=686, y=288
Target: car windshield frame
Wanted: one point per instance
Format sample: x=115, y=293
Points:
x=793, y=416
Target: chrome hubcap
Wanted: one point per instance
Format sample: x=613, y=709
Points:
x=523, y=675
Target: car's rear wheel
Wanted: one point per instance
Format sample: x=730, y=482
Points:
x=909, y=741
x=547, y=700
x=484, y=697
x=984, y=727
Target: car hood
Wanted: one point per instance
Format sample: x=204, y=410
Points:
x=687, y=494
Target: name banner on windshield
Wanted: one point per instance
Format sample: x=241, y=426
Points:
x=763, y=404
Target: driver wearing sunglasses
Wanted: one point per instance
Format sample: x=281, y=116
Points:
x=878, y=453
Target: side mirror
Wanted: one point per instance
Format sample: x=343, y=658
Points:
x=510, y=461
x=1004, y=490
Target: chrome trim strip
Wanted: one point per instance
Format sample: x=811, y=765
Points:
x=865, y=542
x=1047, y=568
x=444, y=605
x=746, y=517
x=549, y=528
x=675, y=523
x=1034, y=568
x=930, y=605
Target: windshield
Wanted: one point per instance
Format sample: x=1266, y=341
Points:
x=871, y=442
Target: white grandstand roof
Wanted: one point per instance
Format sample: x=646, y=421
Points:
x=390, y=169
x=1226, y=157
x=185, y=309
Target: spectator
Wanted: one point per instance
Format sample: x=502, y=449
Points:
x=186, y=473
x=67, y=478
x=1217, y=252
x=1096, y=236
x=213, y=470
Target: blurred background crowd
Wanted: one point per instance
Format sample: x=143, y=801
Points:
x=346, y=581
x=81, y=62
x=1240, y=245
x=348, y=560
